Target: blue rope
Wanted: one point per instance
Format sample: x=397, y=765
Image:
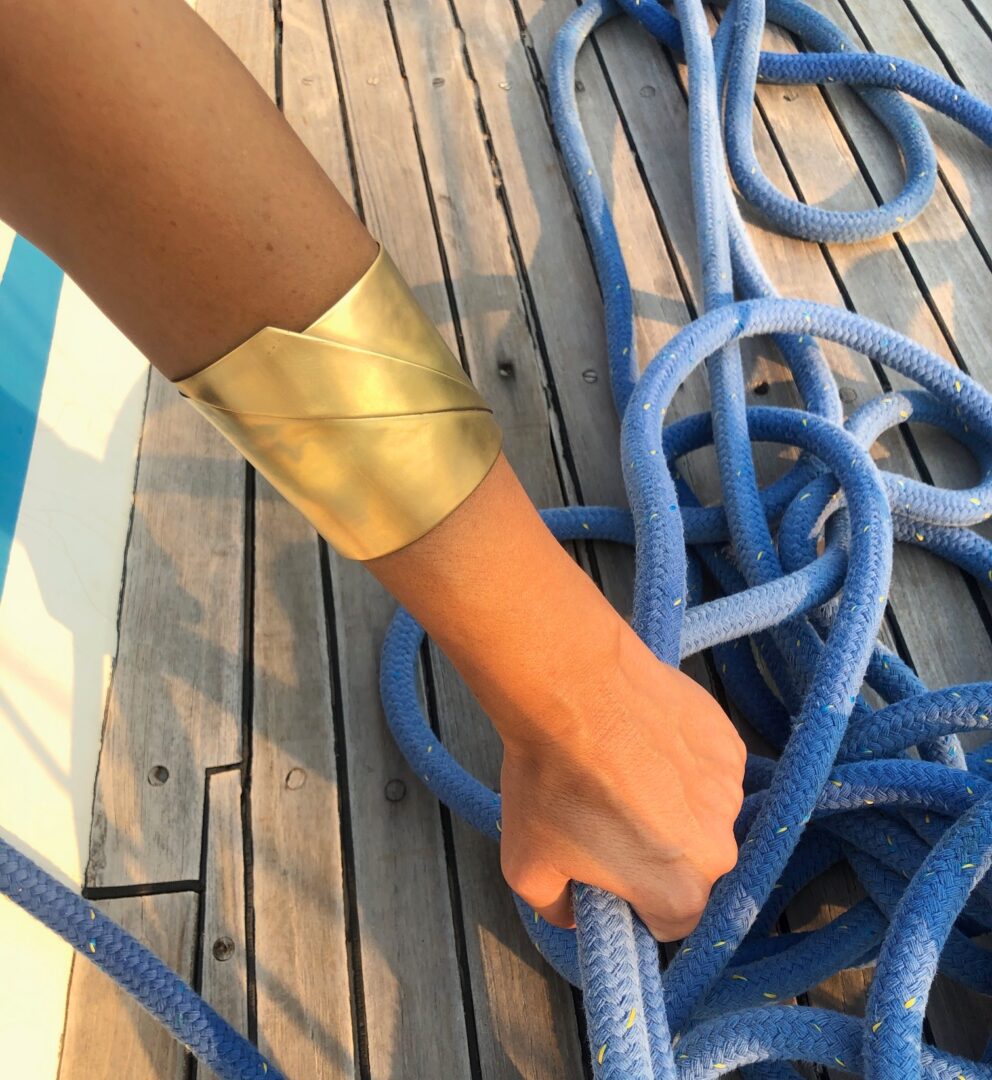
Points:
x=916, y=831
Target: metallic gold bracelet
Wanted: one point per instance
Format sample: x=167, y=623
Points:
x=365, y=421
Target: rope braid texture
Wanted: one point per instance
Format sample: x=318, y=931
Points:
x=917, y=831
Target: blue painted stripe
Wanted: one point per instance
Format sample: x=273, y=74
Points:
x=29, y=298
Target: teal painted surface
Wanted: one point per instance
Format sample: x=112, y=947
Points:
x=29, y=298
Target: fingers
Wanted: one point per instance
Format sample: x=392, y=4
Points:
x=666, y=929
x=547, y=891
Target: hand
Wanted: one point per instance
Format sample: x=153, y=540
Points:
x=638, y=797
x=619, y=771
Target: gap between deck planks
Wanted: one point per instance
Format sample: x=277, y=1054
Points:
x=364, y=930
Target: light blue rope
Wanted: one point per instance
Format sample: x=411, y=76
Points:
x=918, y=833
x=843, y=786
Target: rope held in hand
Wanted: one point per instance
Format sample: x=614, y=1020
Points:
x=917, y=832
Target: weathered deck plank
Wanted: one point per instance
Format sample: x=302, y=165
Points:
x=175, y=699
x=223, y=945
x=301, y=966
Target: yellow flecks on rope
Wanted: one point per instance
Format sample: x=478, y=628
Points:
x=631, y=1017
x=920, y=537
x=739, y=978
x=803, y=498
x=909, y=1003
x=900, y=220
x=719, y=1065
x=876, y=1026
x=869, y=802
x=968, y=866
x=817, y=1026
x=537, y=918
x=601, y=1054
x=585, y=524
x=768, y=994
x=839, y=1062
x=785, y=828
x=676, y=1039
x=92, y=946
x=92, y=914
x=836, y=783
x=647, y=405
x=957, y=385
x=265, y=1067
x=678, y=600
x=888, y=840
x=760, y=556
x=688, y=948
x=904, y=414
x=970, y=792
x=654, y=453
x=926, y=819
x=719, y=944
x=499, y=826
x=975, y=502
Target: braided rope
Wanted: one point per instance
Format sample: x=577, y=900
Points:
x=918, y=833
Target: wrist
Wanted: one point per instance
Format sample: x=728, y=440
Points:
x=515, y=614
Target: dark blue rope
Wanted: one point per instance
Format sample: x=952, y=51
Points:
x=918, y=833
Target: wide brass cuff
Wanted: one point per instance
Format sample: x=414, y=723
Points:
x=365, y=421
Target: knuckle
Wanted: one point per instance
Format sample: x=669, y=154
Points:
x=685, y=902
x=722, y=858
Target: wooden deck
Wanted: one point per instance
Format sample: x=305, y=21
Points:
x=253, y=821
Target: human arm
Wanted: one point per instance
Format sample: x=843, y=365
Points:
x=146, y=161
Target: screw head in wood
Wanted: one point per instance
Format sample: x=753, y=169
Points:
x=223, y=949
x=295, y=779
x=395, y=790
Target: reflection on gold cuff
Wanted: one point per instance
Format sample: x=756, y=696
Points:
x=365, y=421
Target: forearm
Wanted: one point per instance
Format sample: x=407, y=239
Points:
x=510, y=608
x=146, y=161
x=118, y=98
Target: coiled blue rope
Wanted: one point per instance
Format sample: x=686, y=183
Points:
x=814, y=620
x=843, y=785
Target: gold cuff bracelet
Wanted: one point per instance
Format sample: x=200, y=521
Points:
x=365, y=421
